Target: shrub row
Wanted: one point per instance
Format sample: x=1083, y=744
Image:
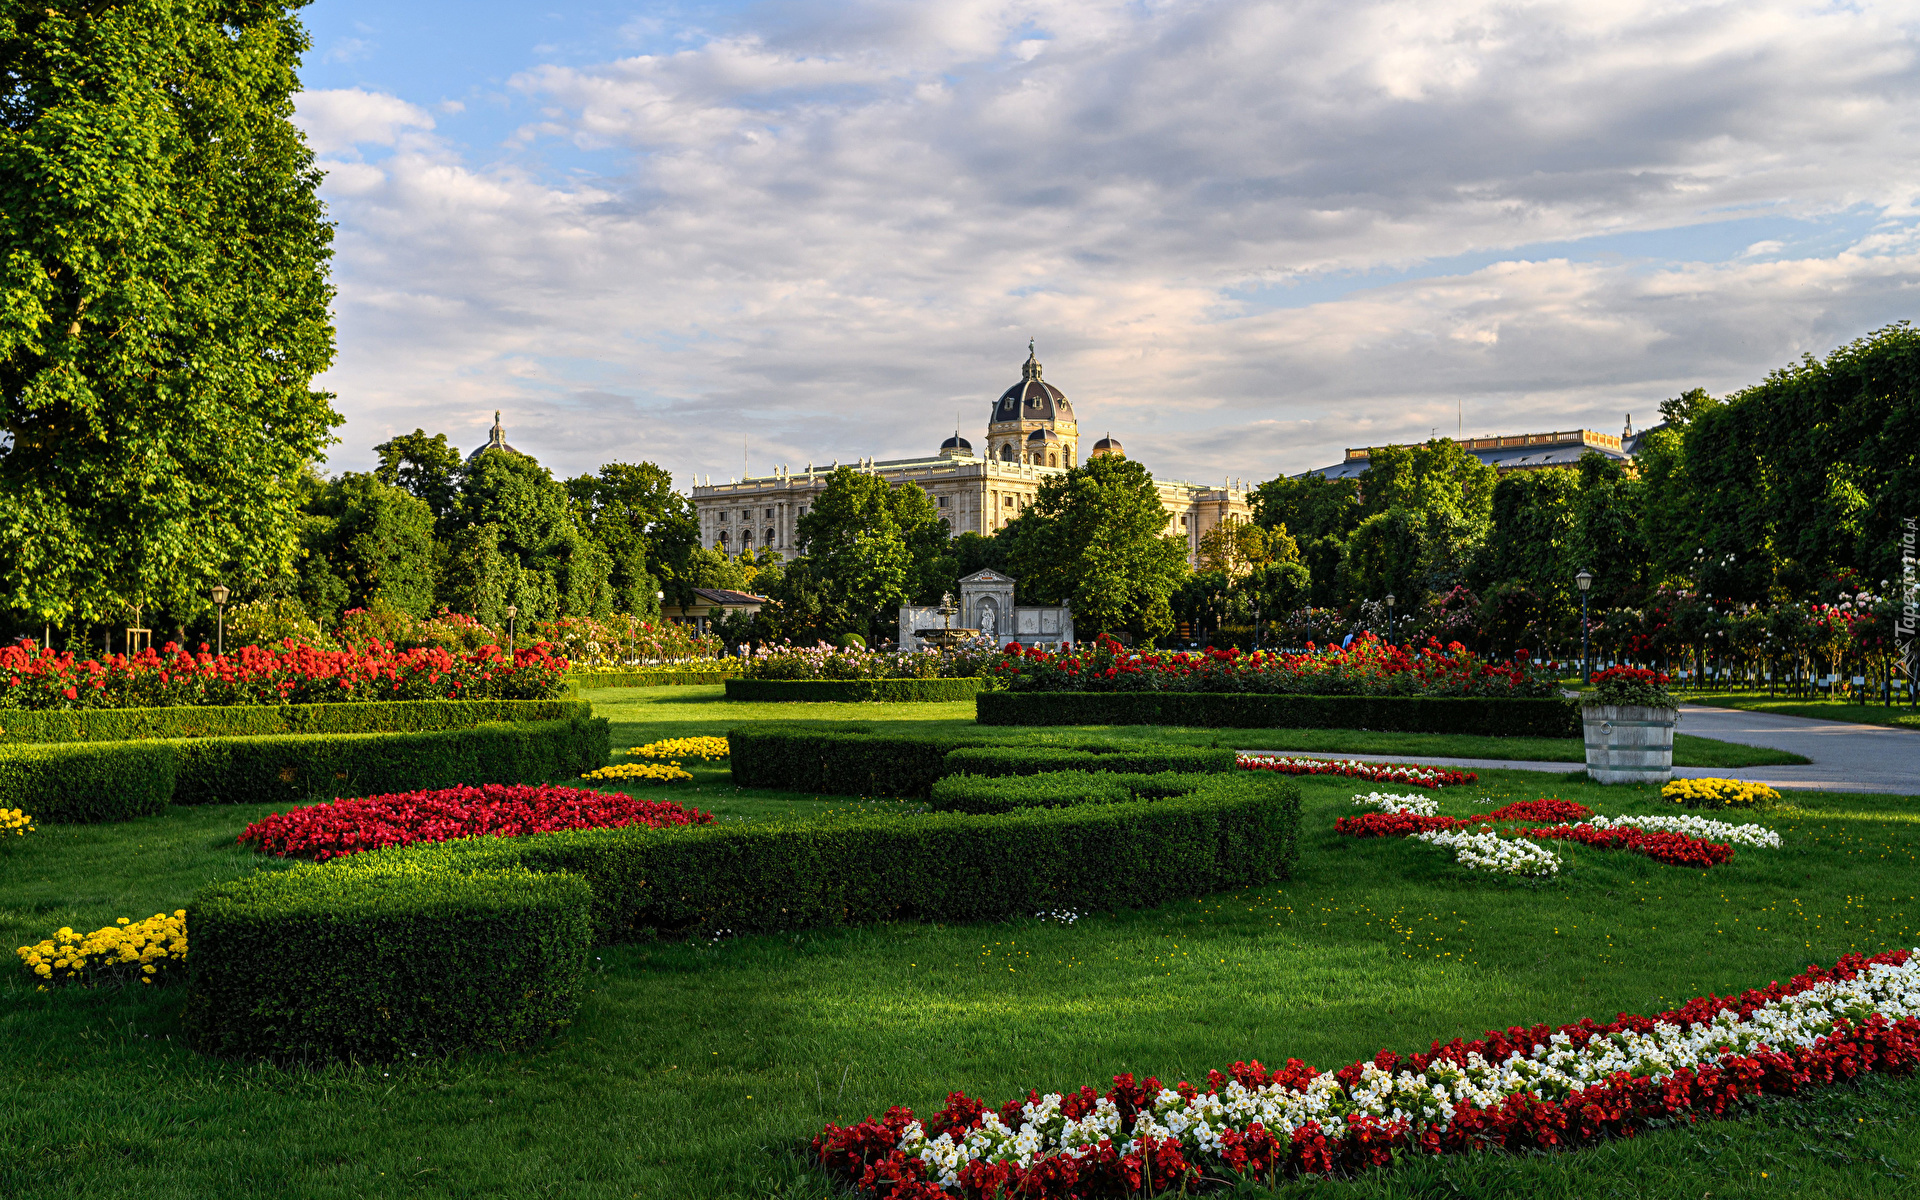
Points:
x=662, y=678
x=365, y=960
x=843, y=760
x=1061, y=789
x=378, y=716
x=767, y=876
x=848, y=690
x=1138, y=758
x=118, y=781
x=1480, y=716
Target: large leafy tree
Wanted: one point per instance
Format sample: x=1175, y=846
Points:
x=367, y=543
x=561, y=571
x=427, y=467
x=163, y=302
x=1535, y=523
x=867, y=548
x=1096, y=538
x=648, y=530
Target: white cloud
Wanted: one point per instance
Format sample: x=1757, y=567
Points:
x=828, y=232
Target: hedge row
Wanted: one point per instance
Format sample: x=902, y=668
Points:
x=767, y=876
x=1061, y=789
x=1148, y=758
x=1481, y=716
x=843, y=760
x=847, y=690
x=118, y=781
x=382, y=716
x=610, y=679
x=364, y=960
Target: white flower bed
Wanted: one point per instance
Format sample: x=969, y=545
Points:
x=1553, y=1071
x=1419, y=806
x=1758, y=836
x=1493, y=853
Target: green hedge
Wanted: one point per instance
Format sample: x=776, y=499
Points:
x=845, y=690
x=248, y=720
x=376, y=961
x=842, y=760
x=663, y=678
x=768, y=876
x=114, y=781
x=1481, y=716
x=1139, y=758
x=1059, y=789
x=79, y=783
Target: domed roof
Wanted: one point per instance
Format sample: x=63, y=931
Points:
x=1043, y=437
x=496, y=439
x=1032, y=399
x=1107, y=445
x=956, y=445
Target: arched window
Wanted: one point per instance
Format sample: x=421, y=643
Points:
x=1006, y=452
x=746, y=540
x=768, y=540
x=721, y=541
x=1053, y=460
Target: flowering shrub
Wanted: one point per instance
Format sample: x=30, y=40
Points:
x=1413, y=773
x=1366, y=668
x=152, y=951
x=323, y=831
x=288, y=675
x=14, y=821
x=1629, y=685
x=623, y=641
x=1677, y=841
x=645, y=772
x=1394, y=824
x=675, y=749
x=822, y=661
x=1719, y=793
x=1524, y=1089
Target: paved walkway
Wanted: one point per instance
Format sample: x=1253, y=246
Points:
x=1846, y=757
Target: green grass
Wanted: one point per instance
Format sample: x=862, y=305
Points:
x=1898, y=716
x=698, y=1068
x=641, y=715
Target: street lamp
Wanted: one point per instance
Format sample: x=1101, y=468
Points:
x=220, y=595
x=1390, y=603
x=1585, y=580
x=512, y=612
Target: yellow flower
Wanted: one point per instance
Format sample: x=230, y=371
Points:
x=703, y=748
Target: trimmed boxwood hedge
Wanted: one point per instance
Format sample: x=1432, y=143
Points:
x=116, y=781
x=844, y=690
x=662, y=678
x=248, y=720
x=1481, y=716
x=1059, y=789
x=843, y=760
x=79, y=783
x=768, y=876
x=1139, y=758
x=375, y=961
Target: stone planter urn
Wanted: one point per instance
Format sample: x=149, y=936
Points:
x=1629, y=743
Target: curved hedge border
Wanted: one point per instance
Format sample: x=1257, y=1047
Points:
x=1098, y=756
x=393, y=951
x=1480, y=716
x=118, y=781
x=250, y=720
x=607, y=679
x=362, y=960
x=843, y=760
x=844, y=690
x=1062, y=789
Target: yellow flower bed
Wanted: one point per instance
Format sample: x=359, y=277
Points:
x=650, y=771
x=1719, y=793
x=152, y=951
x=676, y=749
x=15, y=821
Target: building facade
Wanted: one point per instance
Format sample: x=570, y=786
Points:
x=1512, y=451
x=1032, y=436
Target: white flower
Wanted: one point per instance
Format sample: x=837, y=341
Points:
x=1700, y=827
x=1491, y=852
x=1419, y=806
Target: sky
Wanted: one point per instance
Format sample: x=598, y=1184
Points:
x=1243, y=236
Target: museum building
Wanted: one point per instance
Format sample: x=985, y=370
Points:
x=1032, y=436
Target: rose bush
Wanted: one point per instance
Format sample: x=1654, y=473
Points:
x=1629, y=685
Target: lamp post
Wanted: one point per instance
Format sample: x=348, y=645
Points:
x=1390, y=604
x=512, y=612
x=1585, y=580
x=220, y=595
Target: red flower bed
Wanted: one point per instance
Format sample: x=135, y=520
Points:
x=324, y=831
x=867, y=1156
x=1539, y=810
x=288, y=675
x=1675, y=849
x=1417, y=774
x=1382, y=824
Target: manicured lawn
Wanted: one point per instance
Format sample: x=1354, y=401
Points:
x=646, y=714
x=1899, y=716
x=698, y=1068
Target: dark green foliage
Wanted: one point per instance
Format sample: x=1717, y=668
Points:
x=79, y=785
x=538, y=556
x=647, y=528
x=989, y=794
x=1488, y=717
x=818, y=690
x=1135, y=757
x=163, y=303
x=114, y=781
x=359, y=961
x=850, y=760
x=192, y=721
x=771, y=876
x=1308, y=507
x=367, y=543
